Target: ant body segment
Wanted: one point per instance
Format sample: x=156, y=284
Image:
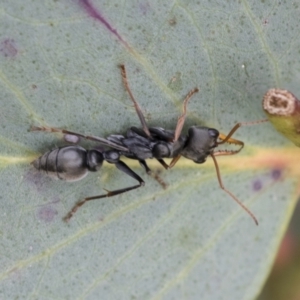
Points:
x=72, y=163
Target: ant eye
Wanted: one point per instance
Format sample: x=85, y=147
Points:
x=213, y=132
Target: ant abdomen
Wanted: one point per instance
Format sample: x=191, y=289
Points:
x=70, y=163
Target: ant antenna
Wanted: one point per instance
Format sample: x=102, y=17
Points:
x=228, y=192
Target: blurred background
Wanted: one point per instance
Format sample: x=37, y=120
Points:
x=284, y=280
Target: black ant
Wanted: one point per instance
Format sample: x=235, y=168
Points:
x=72, y=163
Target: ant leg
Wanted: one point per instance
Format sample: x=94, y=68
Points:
x=178, y=129
x=228, y=139
x=174, y=161
x=136, y=105
x=163, y=163
x=229, y=193
x=87, y=137
x=152, y=174
x=124, y=168
x=181, y=119
x=172, y=164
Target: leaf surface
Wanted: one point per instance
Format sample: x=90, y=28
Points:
x=59, y=67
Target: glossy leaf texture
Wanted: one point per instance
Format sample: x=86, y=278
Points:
x=59, y=67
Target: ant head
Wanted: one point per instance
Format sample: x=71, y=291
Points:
x=200, y=143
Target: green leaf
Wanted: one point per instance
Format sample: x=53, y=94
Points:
x=283, y=111
x=59, y=67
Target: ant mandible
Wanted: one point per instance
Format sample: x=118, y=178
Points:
x=72, y=163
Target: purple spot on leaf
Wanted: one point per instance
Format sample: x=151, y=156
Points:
x=47, y=213
x=257, y=185
x=96, y=14
x=35, y=179
x=8, y=48
x=276, y=174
